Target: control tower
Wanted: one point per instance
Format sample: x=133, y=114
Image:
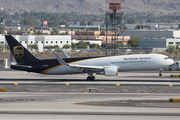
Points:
x=114, y=22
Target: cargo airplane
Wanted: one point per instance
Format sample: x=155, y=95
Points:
x=108, y=66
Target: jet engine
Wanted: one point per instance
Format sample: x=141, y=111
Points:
x=109, y=71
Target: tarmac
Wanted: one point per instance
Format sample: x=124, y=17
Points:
x=131, y=95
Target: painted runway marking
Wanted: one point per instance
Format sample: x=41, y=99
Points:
x=67, y=83
x=16, y=84
x=2, y=89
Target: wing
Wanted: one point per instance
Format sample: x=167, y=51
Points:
x=86, y=68
x=80, y=67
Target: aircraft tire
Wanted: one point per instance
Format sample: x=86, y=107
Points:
x=88, y=78
x=92, y=78
x=160, y=74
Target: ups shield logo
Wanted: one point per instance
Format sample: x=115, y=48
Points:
x=18, y=51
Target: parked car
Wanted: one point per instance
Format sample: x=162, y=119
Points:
x=128, y=50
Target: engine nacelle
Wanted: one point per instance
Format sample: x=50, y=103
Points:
x=109, y=71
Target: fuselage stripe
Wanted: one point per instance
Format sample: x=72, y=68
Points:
x=45, y=71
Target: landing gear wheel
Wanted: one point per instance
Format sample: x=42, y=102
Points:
x=90, y=78
x=160, y=72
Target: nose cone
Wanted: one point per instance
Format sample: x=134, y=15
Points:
x=170, y=62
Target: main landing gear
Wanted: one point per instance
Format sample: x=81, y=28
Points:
x=90, y=77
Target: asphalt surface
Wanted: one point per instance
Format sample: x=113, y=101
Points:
x=50, y=105
x=16, y=81
x=131, y=95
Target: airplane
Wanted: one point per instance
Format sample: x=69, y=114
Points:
x=106, y=65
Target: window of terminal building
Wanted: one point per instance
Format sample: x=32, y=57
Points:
x=2, y=42
x=51, y=41
x=37, y=42
x=31, y=42
x=20, y=41
x=61, y=41
x=56, y=42
x=25, y=41
x=67, y=41
x=170, y=42
x=177, y=42
x=46, y=41
x=41, y=41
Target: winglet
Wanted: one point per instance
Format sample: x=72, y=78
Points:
x=65, y=54
x=61, y=61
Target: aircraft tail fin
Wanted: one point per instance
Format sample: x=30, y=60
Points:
x=21, y=54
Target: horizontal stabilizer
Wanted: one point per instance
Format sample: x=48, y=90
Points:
x=21, y=67
x=24, y=66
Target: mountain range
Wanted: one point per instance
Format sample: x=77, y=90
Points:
x=90, y=6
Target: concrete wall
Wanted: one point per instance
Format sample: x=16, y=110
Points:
x=45, y=40
x=3, y=42
x=41, y=41
x=2, y=39
x=173, y=42
x=176, y=34
x=57, y=40
x=3, y=63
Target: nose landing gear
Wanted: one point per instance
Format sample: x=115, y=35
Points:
x=160, y=72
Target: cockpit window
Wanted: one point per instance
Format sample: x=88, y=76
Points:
x=167, y=58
